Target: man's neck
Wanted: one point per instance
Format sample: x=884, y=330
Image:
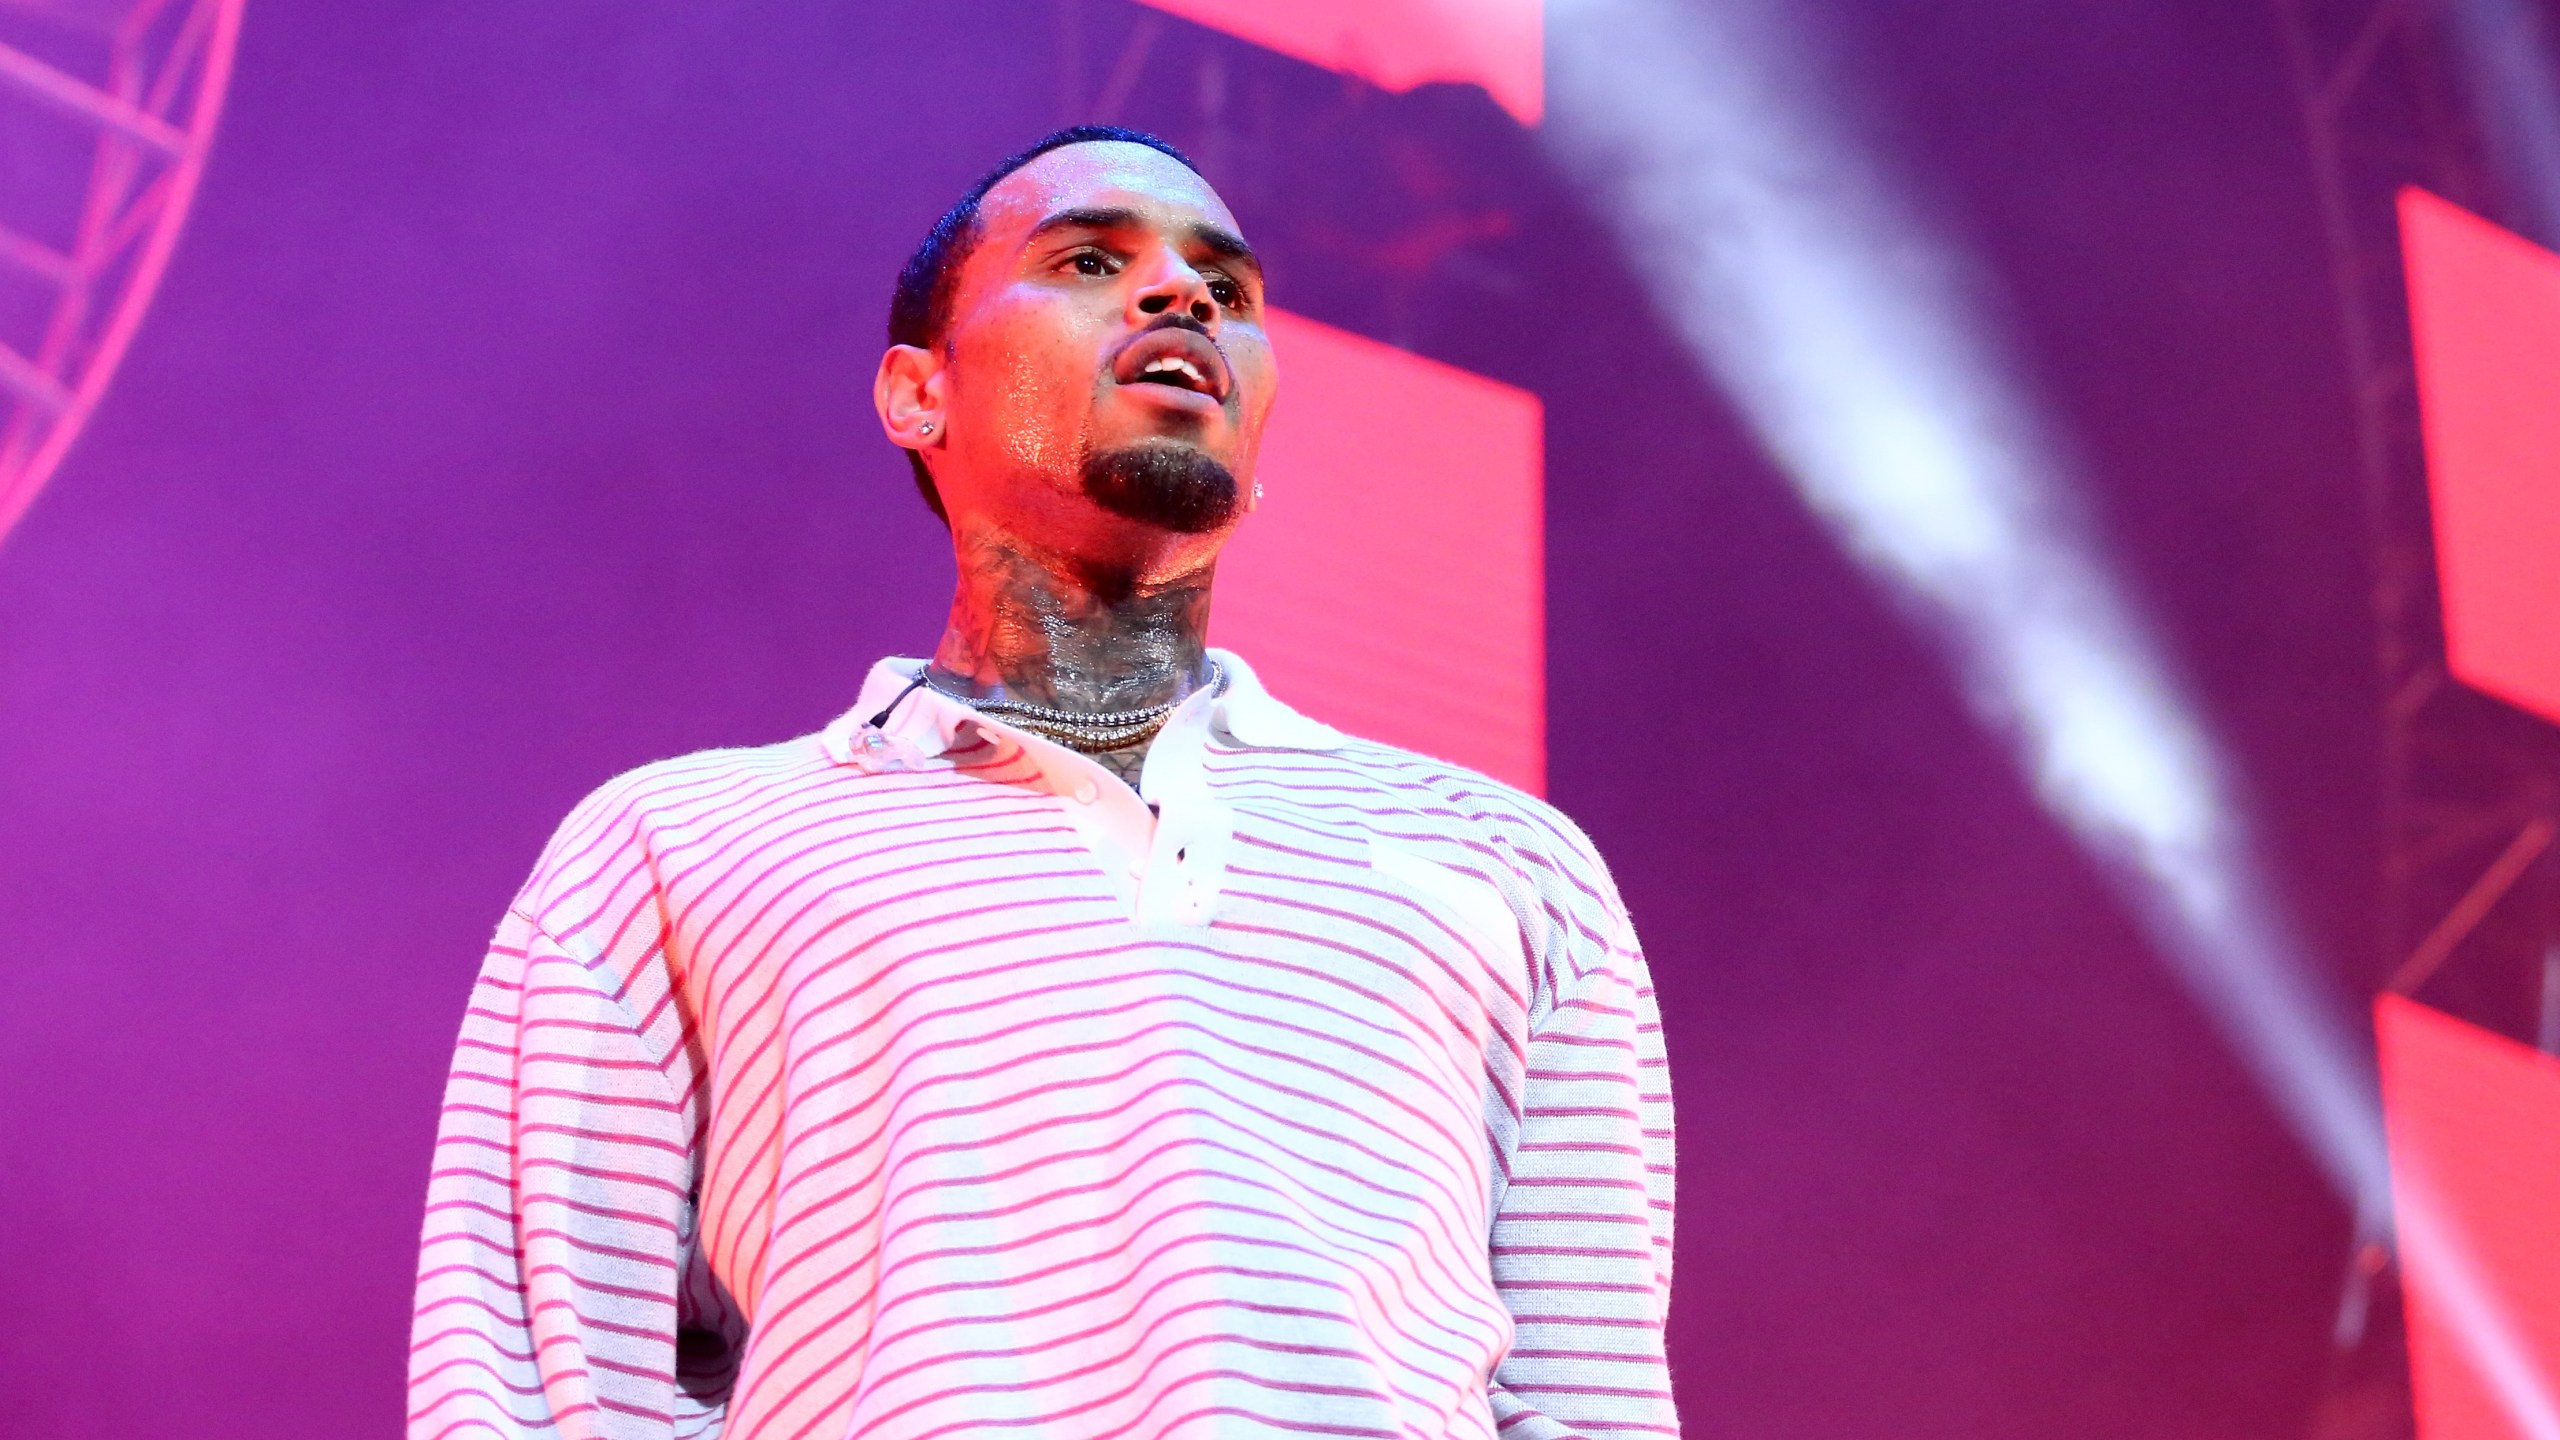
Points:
x=1047, y=631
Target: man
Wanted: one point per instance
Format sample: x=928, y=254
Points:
x=1072, y=1040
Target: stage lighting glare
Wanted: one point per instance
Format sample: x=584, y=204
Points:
x=2473, y=1316
x=1842, y=330
x=2466, y=1109
x=2115, y=751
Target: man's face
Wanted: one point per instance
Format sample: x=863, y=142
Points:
x=1105, y=357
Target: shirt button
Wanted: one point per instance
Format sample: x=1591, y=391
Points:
x=1085, y=792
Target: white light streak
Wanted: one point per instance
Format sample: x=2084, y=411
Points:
x=1835, y=321
x=2432, y=1246
x=1804, y=287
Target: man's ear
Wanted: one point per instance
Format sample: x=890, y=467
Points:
x=909, y=393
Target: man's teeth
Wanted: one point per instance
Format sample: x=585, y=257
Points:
x=1176, y=365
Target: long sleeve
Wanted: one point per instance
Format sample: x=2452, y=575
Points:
x=1581, y=1244
x=557, y=1215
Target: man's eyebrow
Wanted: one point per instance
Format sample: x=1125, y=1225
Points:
x=1090, y=217
x=1225, y=244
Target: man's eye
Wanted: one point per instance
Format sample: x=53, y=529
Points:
x=1089, y=262
x=1227, y=293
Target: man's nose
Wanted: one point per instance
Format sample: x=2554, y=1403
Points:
x=1176, y=287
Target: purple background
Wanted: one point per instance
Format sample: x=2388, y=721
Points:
x=503, y=424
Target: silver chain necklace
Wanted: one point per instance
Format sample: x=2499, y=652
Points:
x=1090, y=732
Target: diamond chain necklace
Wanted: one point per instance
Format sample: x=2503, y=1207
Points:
x=1089, y=732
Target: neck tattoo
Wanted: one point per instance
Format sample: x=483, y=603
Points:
x=1091, y=659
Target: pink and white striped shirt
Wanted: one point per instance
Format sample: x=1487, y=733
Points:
x=935, y=1086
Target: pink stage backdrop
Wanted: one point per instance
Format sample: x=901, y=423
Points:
x=1397, y=553
x=500, y=428
x=1398, y=44
x=2475, y=1123
x=2485, y=308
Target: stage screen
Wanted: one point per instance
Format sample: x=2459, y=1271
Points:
x=2475, y=1137
x=1398, y=44
x=1391, y=582
x=2484, y=305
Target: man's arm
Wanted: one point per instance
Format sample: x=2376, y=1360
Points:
x=1582, y=1239
x=557, y=1214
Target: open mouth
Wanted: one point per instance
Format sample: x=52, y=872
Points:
x=1176, y=371
x=1177, y=359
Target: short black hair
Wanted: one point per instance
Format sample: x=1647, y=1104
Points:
x=920, y=309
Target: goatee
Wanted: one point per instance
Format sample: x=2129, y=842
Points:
x=1173, y=487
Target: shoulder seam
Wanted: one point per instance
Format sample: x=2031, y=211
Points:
x=621, y=1005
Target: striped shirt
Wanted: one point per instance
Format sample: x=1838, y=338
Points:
x=926, y=1081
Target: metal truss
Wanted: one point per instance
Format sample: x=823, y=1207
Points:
x=2470, y=788
x=107, y=109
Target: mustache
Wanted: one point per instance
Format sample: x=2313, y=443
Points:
x=1170, y=320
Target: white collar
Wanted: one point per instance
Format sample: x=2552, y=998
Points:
x=931, y=723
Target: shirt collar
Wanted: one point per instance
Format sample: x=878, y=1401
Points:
x=931, y=723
